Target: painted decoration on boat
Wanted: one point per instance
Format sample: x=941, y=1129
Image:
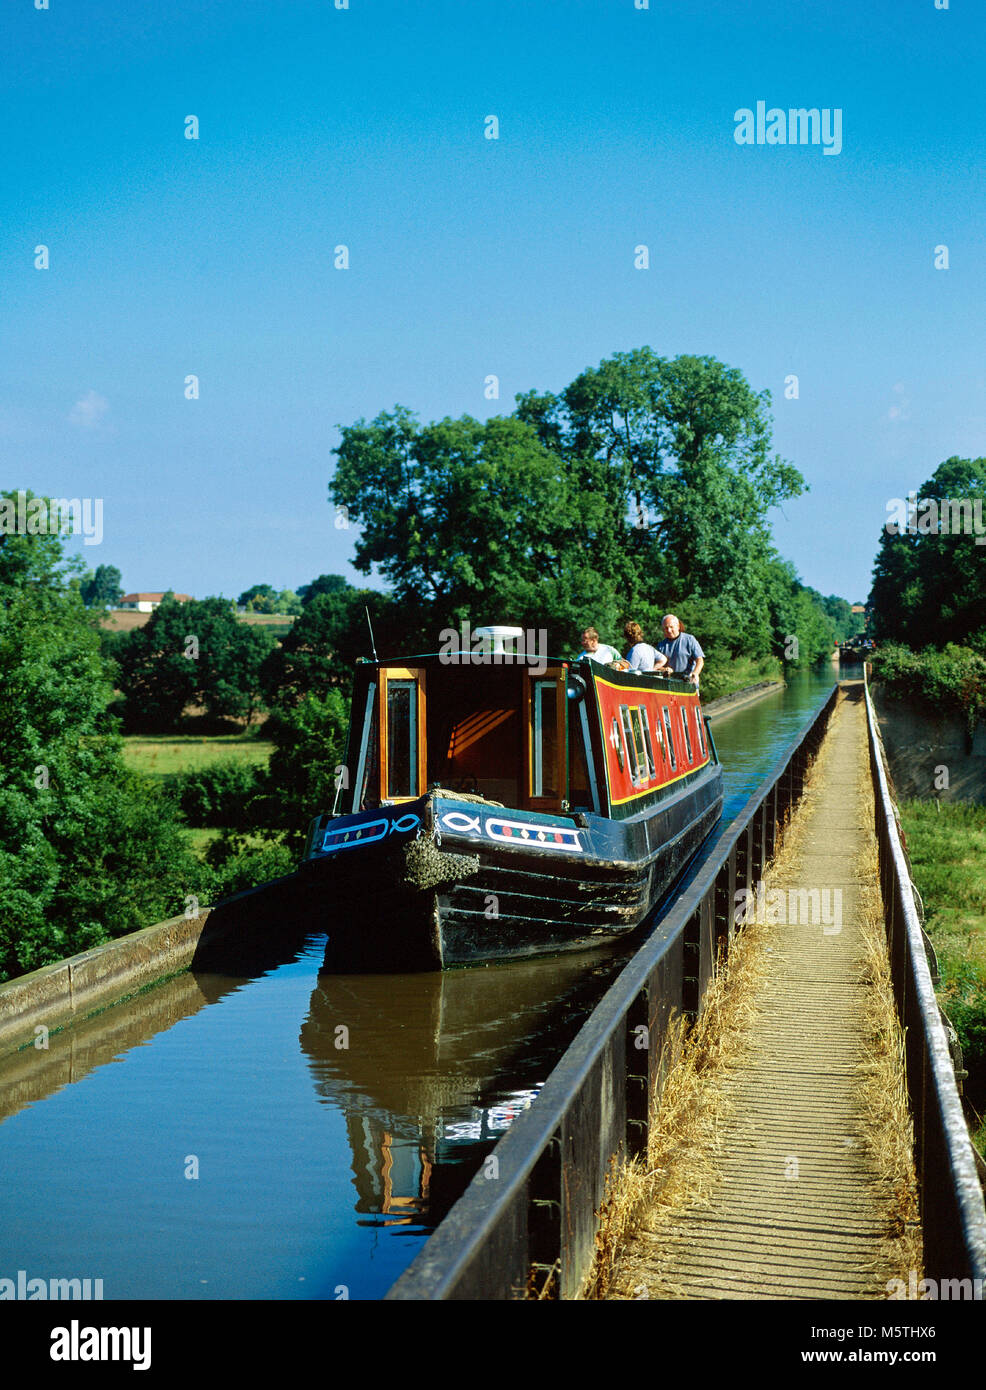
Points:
x=354, y=837
x=514, y=831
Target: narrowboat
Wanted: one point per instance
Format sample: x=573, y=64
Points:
x=499, y=805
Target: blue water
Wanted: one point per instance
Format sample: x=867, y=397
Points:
x=221, y=1138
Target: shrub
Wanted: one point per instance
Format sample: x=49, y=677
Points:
x=218, y=795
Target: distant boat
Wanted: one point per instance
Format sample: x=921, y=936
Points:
x=507, y=806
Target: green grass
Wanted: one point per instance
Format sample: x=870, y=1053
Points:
x=199, y=840
x=164, y=755
x=946, y=843
x=720, y=679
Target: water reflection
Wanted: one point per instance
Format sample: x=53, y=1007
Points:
x=431, y=1069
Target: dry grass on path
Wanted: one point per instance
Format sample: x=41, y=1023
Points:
x=680, y=1172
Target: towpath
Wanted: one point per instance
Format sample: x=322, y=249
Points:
x=798, y=1205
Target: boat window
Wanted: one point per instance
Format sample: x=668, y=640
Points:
x=688, y=737
x=660, y=739
x=402, y=739
x=701, y=733
x=645, y=724
x=544, y=739
x=617, y=743
x=667, y=729
x=639, y=748
x=630, y=745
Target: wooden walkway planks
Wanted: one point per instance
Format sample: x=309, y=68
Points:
x=797, y=1210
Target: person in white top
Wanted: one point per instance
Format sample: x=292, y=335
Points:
x=594, y=650
x=641, y=656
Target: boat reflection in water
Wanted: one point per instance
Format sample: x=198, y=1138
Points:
x=431, y=1069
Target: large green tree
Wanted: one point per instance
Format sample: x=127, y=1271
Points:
x=644, y=485
x=191, y=653
x=684, y=446
x=87, y=849
x=929, y=583
x=468, y=519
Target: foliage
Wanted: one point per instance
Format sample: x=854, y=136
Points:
x=318, y=653
x=950, y=681
x=263, y=598
x=191, y=653
x=796, y=612
x=102, y=589
x=644, y=486
x=218, y=795
x=310, y=741
x=236, y=865
x=324, y=584
x=929, y=587
x=259, y=599
x=945, y=844
x=846, y=623
x=87, y=849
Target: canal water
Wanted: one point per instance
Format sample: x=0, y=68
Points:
x=282, y=1133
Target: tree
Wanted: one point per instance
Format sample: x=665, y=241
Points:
x=318, y=653
x=929, y=583
x=102, y=589
x=687, y=441
x=310, y=741
x=324, y=584
x=261, y=598
x=796, y=612
x=288, y=603
x=87, y=849
x=191, y=653
x=476, y=520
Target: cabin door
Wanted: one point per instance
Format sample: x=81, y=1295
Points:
x=545, y=739
x=401, y=721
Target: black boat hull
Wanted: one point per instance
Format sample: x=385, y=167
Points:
x=437, y=883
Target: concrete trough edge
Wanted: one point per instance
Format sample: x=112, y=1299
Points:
x=58, y=995
x=61, y=994
x=729, y=704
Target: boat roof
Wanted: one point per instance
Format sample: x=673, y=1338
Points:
x=600, y=670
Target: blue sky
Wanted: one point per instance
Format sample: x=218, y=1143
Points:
x=469, y=256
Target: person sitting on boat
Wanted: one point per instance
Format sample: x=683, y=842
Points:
x=594, y=650
x=684, y=655
x=641, y=656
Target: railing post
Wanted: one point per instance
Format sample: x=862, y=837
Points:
x=638, y=1044
x=725, y=904
x=544, y=1218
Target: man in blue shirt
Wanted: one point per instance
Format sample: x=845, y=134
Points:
x=685, y=656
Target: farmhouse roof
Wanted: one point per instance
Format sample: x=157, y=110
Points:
x=153, y=598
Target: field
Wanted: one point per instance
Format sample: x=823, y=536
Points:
x=126, y=619
x=946, y=842
x=164, y=755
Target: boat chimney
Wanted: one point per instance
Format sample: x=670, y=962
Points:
x=498, y=636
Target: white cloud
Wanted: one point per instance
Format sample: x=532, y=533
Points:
x=89, y=411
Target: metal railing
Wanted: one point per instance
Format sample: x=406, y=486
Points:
x=952, y=1213
x=532, y=1209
